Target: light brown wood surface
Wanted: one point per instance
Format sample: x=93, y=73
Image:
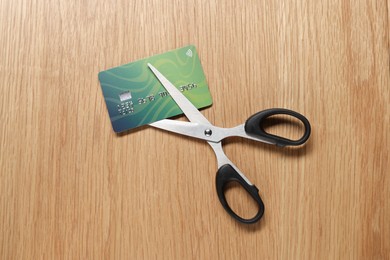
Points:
x=70, y=188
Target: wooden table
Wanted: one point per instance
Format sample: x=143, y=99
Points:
x=70, y=188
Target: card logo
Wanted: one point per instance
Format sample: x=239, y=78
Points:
x=189, y=53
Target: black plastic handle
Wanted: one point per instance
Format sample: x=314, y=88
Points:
x=226, y=174
x=253, y=126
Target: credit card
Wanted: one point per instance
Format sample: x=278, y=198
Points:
x=134, y=96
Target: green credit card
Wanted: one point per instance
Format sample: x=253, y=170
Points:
x=135, y=97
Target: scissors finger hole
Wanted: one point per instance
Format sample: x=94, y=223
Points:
x=240, y=201
x=256, y=123
x=283, y=125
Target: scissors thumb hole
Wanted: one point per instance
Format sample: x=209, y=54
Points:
x=226, y=176
x=240, y=201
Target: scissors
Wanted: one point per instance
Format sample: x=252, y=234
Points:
x=199, y=127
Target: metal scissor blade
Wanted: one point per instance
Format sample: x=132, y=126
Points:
x=191, y=112
x=191, y=129
x=198, y=130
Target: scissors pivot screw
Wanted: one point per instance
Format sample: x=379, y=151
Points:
x=208, y=132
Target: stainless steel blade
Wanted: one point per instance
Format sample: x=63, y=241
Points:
x=205, y=132
x=195, y=130
x=191, y=112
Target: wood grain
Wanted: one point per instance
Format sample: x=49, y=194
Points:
x=70, y=188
